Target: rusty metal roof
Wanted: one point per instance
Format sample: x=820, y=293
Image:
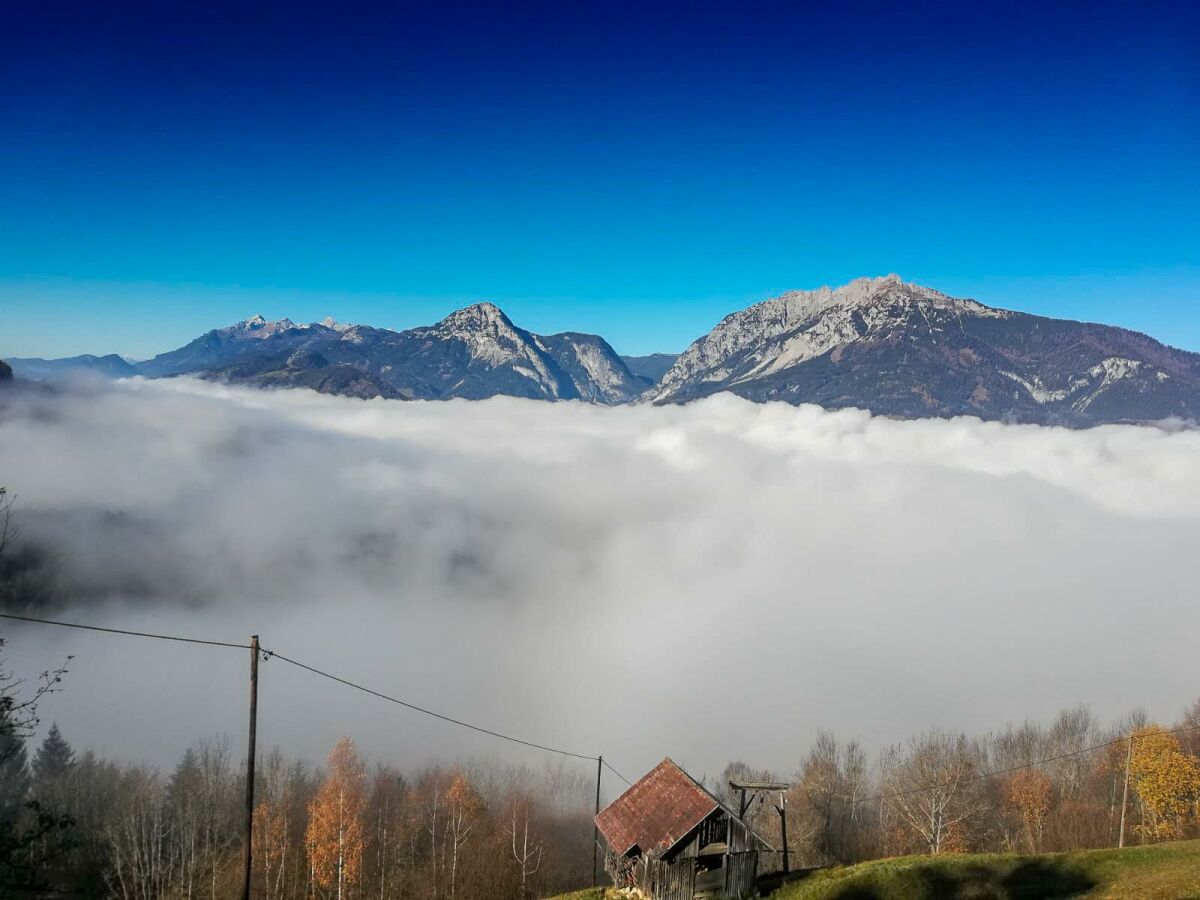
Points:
x=662, y=807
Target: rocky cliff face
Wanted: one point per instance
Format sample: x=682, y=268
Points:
x=599, y=375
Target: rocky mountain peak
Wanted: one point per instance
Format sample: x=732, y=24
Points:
x=479, y=316
x=334, y=325
x=258, y=327
x=904, y=349
x=798, y=326
x=885, y=290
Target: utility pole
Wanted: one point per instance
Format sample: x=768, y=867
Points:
x=1125, y=792
x=595, y=827
x=783, y=830
x=249, y=860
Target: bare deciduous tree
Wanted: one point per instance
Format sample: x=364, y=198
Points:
x=929, y=788
x=527, y=851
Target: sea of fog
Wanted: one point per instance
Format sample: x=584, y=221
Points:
x=710, y=582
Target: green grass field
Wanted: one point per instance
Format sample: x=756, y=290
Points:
x=1161, y=872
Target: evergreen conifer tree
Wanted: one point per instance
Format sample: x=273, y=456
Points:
x=54, y=758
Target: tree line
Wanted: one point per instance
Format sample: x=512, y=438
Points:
x=935, y=794
x=348, y=829
x=78, y=824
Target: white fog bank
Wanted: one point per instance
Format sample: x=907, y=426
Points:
x=709, y=582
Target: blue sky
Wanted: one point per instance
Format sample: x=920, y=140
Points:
x=632, y=169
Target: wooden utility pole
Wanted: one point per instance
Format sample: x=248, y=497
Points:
x=783, y=830
x=595, y=827
x=249, y=859
x=1125, y=792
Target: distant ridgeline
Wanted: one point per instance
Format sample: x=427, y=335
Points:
x=880, y=344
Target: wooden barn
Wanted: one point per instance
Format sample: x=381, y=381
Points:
x=671, y=839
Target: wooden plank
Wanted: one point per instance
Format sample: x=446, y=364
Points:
x=759, y=785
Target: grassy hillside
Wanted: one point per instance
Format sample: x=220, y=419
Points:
x=1162, y=872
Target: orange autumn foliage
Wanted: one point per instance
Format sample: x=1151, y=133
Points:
x=463, y=797
x=335, y=821
x=1028, y=792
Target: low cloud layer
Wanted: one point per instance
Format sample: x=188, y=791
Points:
x=712, y=581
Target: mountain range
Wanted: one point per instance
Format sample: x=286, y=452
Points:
x=473, y=353
x=881, y=344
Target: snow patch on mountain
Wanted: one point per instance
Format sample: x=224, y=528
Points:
x=1109, y=371
x=1115, y=368
x=1039, y=392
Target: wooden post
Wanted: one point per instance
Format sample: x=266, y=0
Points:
x=595, y=827
x=783, y=829
x=249, y=858
x=1125, y=791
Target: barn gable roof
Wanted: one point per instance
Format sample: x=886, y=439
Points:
x=659, y=809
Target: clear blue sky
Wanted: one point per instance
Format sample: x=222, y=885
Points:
x=633, y=169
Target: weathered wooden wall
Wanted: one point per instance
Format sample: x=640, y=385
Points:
x=741, y=839
x=741, y=872
x=678, y=880
x=670, y=882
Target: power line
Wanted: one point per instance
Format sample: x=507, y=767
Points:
x=314, y=670
x=145, y=634
x=544, y=747
x=609, y=766
x=428, y=712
